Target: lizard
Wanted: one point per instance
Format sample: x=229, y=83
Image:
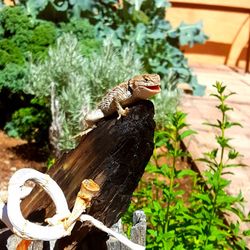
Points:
x=140, y=87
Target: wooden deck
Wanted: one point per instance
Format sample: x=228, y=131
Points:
x=201, y=109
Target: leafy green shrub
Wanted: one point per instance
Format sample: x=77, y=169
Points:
x=191, y=219
x=21, y=37
x=142, y=23
x=29, y=35
x=85, y=34
x=210, y=205
x=60, y=81
x=30, y=123
x=25, y=39
x=14, y=20
x=9, y=53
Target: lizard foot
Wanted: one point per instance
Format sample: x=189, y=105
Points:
x=122, y=112
x=84, y=132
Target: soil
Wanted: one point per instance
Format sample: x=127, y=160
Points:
x=16, y=154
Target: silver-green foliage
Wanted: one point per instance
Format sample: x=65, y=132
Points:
x=72, y=84
x=110, y=67
x=60, y=79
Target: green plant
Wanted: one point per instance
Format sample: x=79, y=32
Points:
x=85, y=34
x=21, y=37
x=26, y=40
x=161, y=195
x=169, y=210
x=29, y=35
x=61, y=82
x=193, y=218
x=140, y=22
x=72, y=84
x=215, y=200
x=30, y=123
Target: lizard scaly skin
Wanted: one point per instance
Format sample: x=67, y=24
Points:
x=126, y=93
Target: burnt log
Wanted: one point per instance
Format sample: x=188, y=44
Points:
x=114, y=155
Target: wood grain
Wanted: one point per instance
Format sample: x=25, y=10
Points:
x=114, y=155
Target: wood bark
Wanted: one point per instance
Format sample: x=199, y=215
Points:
x=114, y=155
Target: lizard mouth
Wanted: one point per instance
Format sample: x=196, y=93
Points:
x=154, y=88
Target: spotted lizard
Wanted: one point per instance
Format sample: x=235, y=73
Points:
x=117, y=99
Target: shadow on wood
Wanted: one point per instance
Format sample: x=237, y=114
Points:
x=114, y=155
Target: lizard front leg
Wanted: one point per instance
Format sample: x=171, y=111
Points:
x=120, y=110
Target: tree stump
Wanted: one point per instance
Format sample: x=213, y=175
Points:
x=114, y=155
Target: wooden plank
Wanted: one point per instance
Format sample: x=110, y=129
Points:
x=232, y=4
x=229, y=41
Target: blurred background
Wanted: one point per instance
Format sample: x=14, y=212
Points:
x=227, y=23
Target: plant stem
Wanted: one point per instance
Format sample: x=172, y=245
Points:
x=219, y=171
x=172, y=177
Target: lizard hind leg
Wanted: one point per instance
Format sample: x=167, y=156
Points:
x=90, y=121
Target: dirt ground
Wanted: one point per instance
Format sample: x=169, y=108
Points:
x=16, y=154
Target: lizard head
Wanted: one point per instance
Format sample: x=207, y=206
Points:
x=145, y=86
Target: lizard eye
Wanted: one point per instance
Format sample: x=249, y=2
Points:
x=146, y=79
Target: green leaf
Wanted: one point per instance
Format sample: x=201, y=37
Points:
x=185, y=172
x=247, y=232
x=194, y=228
x=211, y=124
x=232, y=154
x=203, y=197
x=140, y=34
x=223, y=107
x=223, y=141
x=187, y=133
x=216, y=95
x=35, y=6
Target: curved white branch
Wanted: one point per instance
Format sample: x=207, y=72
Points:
x=63, y=221
x=25, y=228
x=120, y=237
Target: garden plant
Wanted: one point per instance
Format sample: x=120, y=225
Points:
x=32, y=31
x=57, y=59
x=194, y=217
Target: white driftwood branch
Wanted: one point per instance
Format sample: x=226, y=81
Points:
x=63, y=221
x=120, y=237
x=25, y=228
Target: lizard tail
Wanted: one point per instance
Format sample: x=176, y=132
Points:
x=93, y=117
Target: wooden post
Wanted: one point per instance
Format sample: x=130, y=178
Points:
x=138, y=232
x=114, y=155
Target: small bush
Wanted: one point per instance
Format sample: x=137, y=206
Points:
x=29, y=123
